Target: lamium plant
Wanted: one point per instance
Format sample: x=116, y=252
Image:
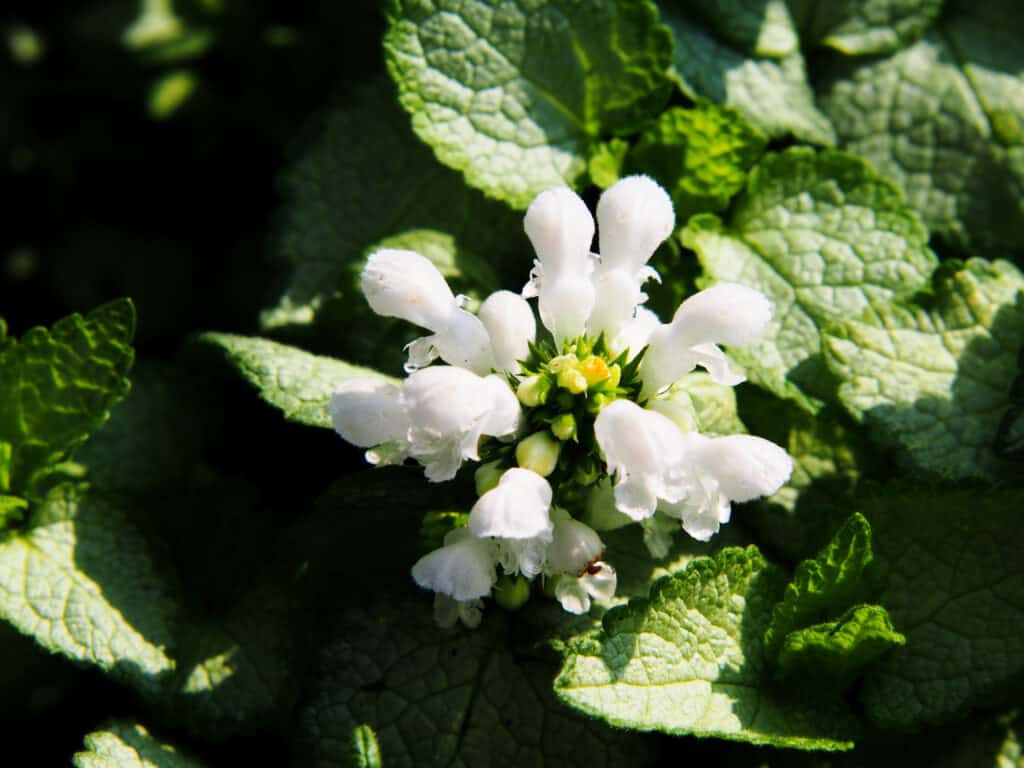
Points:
x=571, y=421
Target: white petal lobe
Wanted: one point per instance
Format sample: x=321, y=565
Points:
x=517, y=508
x=511, y=327
x=406, y=285
x=367, y=412
x=634, y=216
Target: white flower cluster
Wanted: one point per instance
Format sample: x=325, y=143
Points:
x=594, y=415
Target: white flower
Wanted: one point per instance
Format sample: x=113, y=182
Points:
x=368, y=413
x=633, y=334
x=645, y=452
x=437, y=417
x=722, y=470
x=574, y=561
x=406, y=285
x=510, y=324
x=449, y=410
x=561, y=229
x=516, y=513
x=723, y=314
x=634, y=216
x=463, y=569
x=448, y=611
x=574, y=593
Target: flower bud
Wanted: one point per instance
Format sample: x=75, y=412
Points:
x=538, y=453
x=533, y=390
x=564, y=427
x=573, y=380
x=487, y=477
x=594, y=370
x=512, y=592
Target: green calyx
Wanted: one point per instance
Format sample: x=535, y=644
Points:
x=562, y=390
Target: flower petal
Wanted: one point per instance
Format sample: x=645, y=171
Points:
x=464, y=342
x=634, y=216
x=565, y=303
x=726, y=313
x=511, y=326
x=646, y=452
x=617, y=292
x=745, y=467
x=406, y=285
x=574, y=545
x=367, y=412
x=463, y=568
x=517, y=508
x=561, y=230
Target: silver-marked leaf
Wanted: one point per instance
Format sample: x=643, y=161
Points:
x=129, y=745
x=934, y=379
x=514, y=94
x=296, y=382
x=690, y=660
x=863, y=27
x=81, y=581
x=823, y=237
x=944, y=119
x=772, y=93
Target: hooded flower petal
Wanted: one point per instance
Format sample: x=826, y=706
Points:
x=574, y=545
x=449, y=409
x=745, y=467
x=575, y=593
x=561, y=229
x=634, y=216
x=463, y=568
x=634, y=333
x=517, y=508
x=723, y=314
x=511, y=326
x=646, y=452
x=617, y=293
x=406, y=285
x=464, y=342
x=722, y=470
x=367, y=412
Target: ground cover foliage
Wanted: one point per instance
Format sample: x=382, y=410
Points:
x=196, y=571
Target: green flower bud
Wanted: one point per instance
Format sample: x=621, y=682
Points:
x=487, y=477
x=533, y=390
x=572, y=380
x=587, y=471
x=595, y=370
x=563, y=363
x=614, y=376
x=511, y=592
x=599, y=401
x=564, y=427
x=538, y=453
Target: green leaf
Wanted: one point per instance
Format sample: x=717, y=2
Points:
x=365, y=178
x=82, y=582
x=297, y=383
x=147, y=445
x=831, y=456
x=58, y=385
x=1009, y=442
x=773, y=94
x=839, y=650
x=514, y=95
x=762, y=27
x=858, y=28
x=824, y=587
x=241, y=669
x=944, y=119
x=934, y=378
x=606, y=161
x=12, y=511
x=949, y=560
x=129, y=745
x=445, y=697
x=701, y=156
x=823, y=237
x=689, y=660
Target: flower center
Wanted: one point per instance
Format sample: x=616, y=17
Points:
x=562, y=392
